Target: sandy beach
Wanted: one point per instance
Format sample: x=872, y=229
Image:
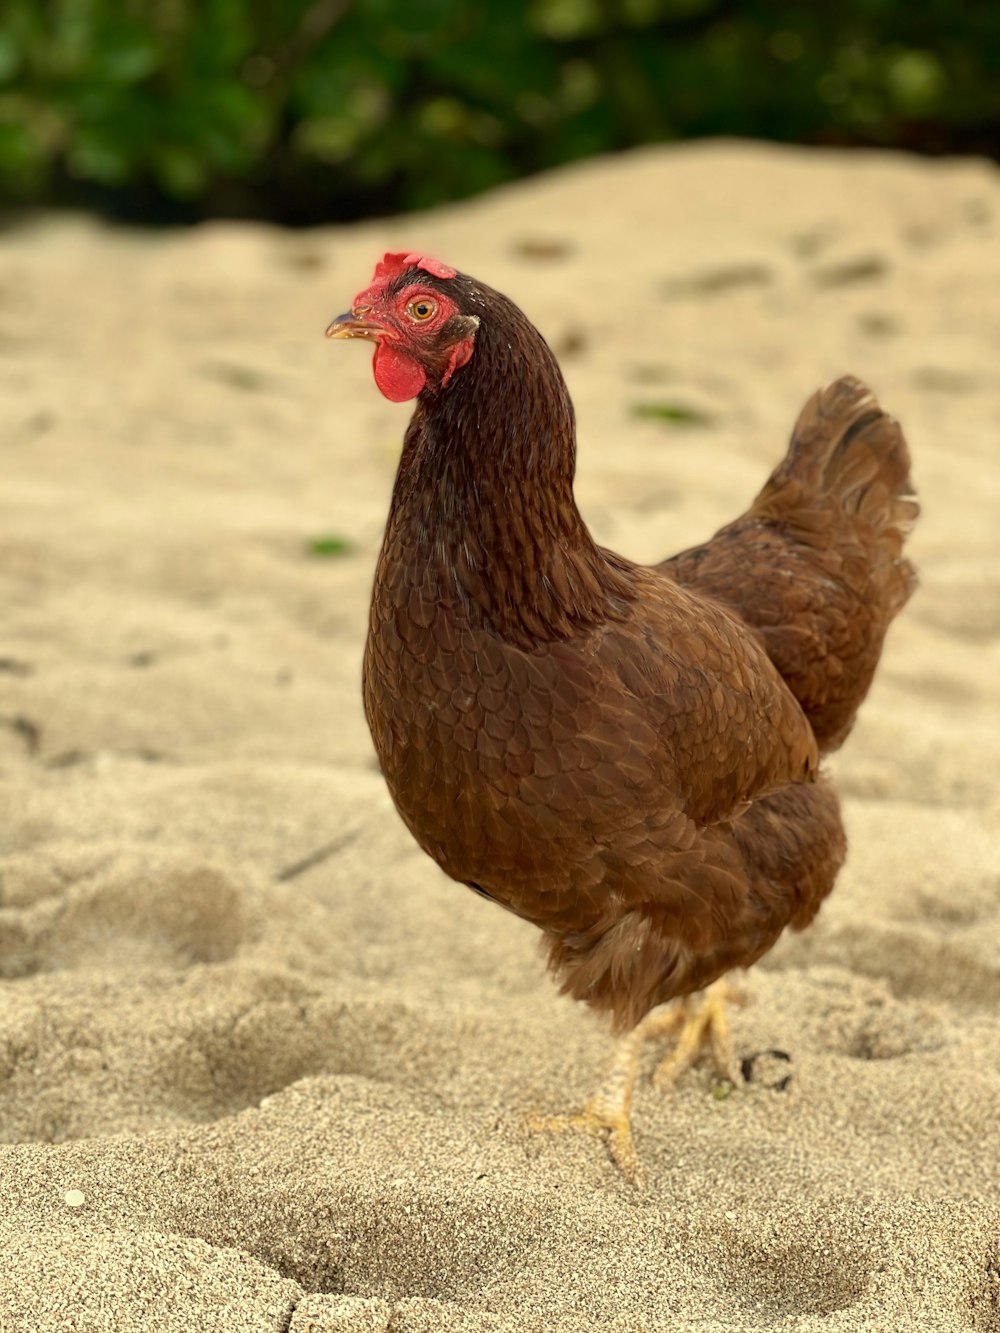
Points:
x=262, y=1067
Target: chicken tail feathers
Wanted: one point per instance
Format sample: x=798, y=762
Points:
x=846, y=448
x=816, y=565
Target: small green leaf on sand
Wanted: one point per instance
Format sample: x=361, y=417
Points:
x=328, y=545
x=673, y=414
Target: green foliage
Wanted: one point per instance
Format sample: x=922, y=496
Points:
x=312, y=109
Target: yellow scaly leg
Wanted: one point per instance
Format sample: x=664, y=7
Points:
x=702, y=1021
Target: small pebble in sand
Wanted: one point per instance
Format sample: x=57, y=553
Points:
x=75, y=1198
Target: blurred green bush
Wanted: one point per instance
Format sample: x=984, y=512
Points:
x=307, y=110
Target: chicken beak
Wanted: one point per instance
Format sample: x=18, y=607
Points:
x=350, y=325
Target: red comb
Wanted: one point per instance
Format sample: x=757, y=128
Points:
x=392, y=265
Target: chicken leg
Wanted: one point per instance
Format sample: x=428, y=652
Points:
x=699, y=1021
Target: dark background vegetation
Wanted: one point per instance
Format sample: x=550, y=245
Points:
x=306, y=111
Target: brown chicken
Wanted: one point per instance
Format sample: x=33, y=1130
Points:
x=626, y=756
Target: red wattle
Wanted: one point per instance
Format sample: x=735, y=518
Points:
x=397, y=375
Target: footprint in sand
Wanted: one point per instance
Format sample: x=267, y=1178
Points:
x=94, y=907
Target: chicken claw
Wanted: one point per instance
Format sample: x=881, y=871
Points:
x=702, y=1021
x=609, y=1111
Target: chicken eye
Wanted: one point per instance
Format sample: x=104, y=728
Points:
x=420, y=309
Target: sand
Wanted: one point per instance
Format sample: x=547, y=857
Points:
x=262, y=1067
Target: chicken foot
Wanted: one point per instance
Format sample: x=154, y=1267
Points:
x=701, y=1021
